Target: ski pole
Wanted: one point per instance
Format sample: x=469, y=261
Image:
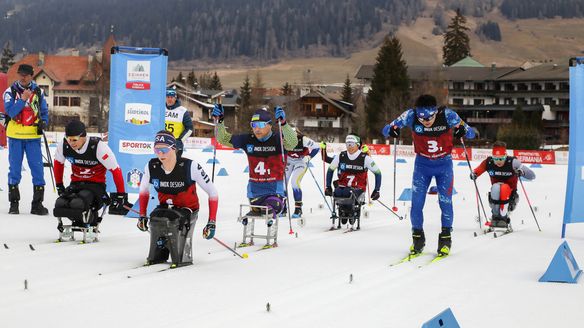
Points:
x=229, y=248
x=394, y=208
x=476, y=187
x=389, y=209
x=215, y=121
x=284, y=173
x=50, y=160
x=528, y=202
x=320, y=190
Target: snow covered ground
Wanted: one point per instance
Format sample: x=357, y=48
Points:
x=486, y=282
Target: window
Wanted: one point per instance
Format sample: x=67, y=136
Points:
x=75, y=101
x=549, y=101
x=478, y=101
x=325, y=108
x=325, y=124
x=536, y=87
x=550, y=86
x=319, y=110
x=307, y=108
x=535, y=101
x=458, y=86
x=479, y=86
x=509, y=87
x=522, y=87
x=521, y=101
x=509, y=101
x=564, y=102
x=458, y=101
x=55, y=101
x=564, y=86
x=63, y=101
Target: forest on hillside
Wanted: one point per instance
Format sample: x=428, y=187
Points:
x=204, y=29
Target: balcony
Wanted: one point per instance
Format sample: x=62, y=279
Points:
x=488, y=120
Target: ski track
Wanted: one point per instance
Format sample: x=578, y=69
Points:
x=306, y=278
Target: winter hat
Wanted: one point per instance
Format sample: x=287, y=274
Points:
x=25, y=69
x=164, y=137
x=426, y=106
x=499, y=149
x=171, y=93
x=261, y=115
x=75, y=128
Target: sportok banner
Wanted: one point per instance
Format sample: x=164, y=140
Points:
x=574, y=206
x=137, y=106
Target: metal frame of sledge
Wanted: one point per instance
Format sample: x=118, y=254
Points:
x=90, y=233
x=249, y=226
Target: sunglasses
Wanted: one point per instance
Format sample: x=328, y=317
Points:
x=426, y=119
x=499, y=158
x=259, y=124
x=163, y=150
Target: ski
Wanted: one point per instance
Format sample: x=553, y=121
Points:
x=268, y=246
x=436, y=258
x=351, y=230
x=408, y=258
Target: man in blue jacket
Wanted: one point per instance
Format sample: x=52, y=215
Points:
x=28, y=114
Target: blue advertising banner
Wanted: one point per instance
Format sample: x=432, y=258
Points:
x=574, y=206
x=137, y=105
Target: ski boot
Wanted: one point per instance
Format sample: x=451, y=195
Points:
x=419, y=241
x=36, y=206
x=297, y=210
x=444, y=242
x=500, y=222
x=14, y=198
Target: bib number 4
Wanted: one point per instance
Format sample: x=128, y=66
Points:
x=260, y=169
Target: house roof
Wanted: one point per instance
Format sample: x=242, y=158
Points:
x=467, y=61
x=452, y=73
x=68, y=72
x=341, y=105
x=541, y=72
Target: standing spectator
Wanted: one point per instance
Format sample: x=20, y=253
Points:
x=27, y=109
x=177, y=120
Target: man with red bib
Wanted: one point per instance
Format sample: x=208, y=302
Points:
x=432, y=130
x=90, y=158
x=504, y=172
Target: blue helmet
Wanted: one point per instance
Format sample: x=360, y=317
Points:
x=171, y=93
x=426, y=113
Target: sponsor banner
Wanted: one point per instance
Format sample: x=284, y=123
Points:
x=136, y=147
x=535, y=156
x=379, y=149
x=138, y=74
x=574, y=206
x=137, y=106
x=138, y=113
x=197, y=143
x=219, y=146
x=405, y=151
x=561, y=157
x=480, y=155
x=458, y=154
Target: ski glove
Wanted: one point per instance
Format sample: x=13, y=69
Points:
x=328, y=191
x=142, y=223
x=280, y=115
x=119, y=203
x=473, y=176
x=60, y=189
x=520, y=172
x=41, y=126
x=391, y=131
x=218, y=112
x=459, y=131
x=209, y=230
x=365, y=149
x=375, y=195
